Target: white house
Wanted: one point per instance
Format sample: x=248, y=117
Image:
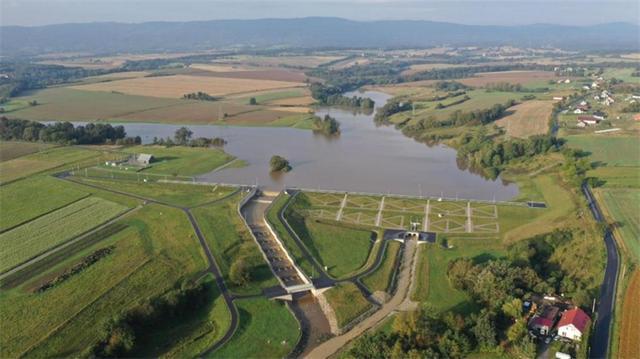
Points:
x=573, y=323
x=578, y=111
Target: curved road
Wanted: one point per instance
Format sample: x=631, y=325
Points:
x=213, y=267
x=606, y=302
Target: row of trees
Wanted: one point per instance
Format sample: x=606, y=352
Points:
x=511, y=87
x=200, y=96
x=332, y=95
x=63, y=132
x=183, y=137
x=392, y=107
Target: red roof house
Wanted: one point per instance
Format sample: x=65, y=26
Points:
x=573, y=324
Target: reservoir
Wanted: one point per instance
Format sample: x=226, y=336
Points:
x=363, y=158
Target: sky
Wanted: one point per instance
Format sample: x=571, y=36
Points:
x=478, y=12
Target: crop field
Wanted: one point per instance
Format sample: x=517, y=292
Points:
x=50, y=230
x=347, y=302
x=178, y=85
x=630, y=327
x=267, y=330
x=609, y=150
x=275, y=61
x=32, y=197
x=71, y=317
x=617, y=177
x=11, y=150
x=41, y=161
x=623, y=207
x=258, y=74
x=529, y=118
x=513, y=77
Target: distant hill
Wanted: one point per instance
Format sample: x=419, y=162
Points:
x=304, y=32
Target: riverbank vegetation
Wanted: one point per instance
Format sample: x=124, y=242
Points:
x=327, y=126
x=279, y=164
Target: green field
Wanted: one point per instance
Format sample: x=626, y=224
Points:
x=437, y=290
x=342, y=250
x=623, y=206
x=380, y=279
x=12, y=149
x=50, y=230
x=158, y=249
x=267, y=330
x=612, y=151
x=182, y=161
x=617, y=177
x=229, y=240
x=23, y=200
x=42, y=161
x=347, y=302
x=273, y=96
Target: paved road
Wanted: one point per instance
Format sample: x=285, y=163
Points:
x=397, y=302
x=606, y=302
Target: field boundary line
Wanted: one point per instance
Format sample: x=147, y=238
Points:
x=81, y=310
x=67, y=243
x=45, y=213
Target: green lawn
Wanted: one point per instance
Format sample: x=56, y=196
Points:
x=609, y=150
x=229, y=240
x=347, y=302
x=158, y=249
x=380, y=279
x=267, y=330
x=342, y=250
x=177, y=194
x=42, y=161
x=182, y=161
x=421, y=287
x=13, y=149
x=623, y=206
x=35, y=237
x=439, y=291
x=24, y=200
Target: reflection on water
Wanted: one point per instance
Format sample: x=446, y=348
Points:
x=364, y=158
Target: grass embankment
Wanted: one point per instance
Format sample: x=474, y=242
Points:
x=347, y=302
x=267, y=330
x=342, y=250
x=294, y=251
x=380, y=279
x=182, y=161
x=158, y=249
x=35, y=237
x=230, y=241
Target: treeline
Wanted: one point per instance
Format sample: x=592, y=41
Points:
x=510, y=87
x=121, y=334
x=200, y=96
x=468, y=71
x=440, y=105
x=77, y=268
x=353, y=77
x=332, y=96
x=183, y=137
x=328, y=125
x=64, y=132
x=23, y=76
x=450, y=86
x=392, y=107
x=479, y=151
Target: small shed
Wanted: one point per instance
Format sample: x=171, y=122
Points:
x=143, y=159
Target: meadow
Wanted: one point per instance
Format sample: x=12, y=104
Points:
x=608, y=150
x=380, y=279
x=50, y=230
x=182, y=161
x=13, y=149
x=528, y=118
x=267, y=330
x=347, y=302
x=513, y=77
x=629, y=346
x=623, y=208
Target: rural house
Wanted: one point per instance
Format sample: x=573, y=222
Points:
x=544, y=322
x=573, y=323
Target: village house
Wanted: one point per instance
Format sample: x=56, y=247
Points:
x=584, y=121
x=544, y=322
x=573, y=324
x=558, y=98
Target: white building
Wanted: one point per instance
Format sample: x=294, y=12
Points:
x=573, y=323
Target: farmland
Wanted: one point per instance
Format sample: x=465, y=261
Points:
x=52, y=229
x=609, y=150
x=528, y=118
x=11, y=150
x=514, y=77
x=178, y=85
x=623, y=207
x=629, y=346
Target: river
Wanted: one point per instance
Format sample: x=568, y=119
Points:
x=363, y=158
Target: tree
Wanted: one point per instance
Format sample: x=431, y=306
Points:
x=443, y=241
x=513, y=308
x=252, y=101
x=239, y=272
x=279, y=164
x=485, y=330
x=182, y=136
